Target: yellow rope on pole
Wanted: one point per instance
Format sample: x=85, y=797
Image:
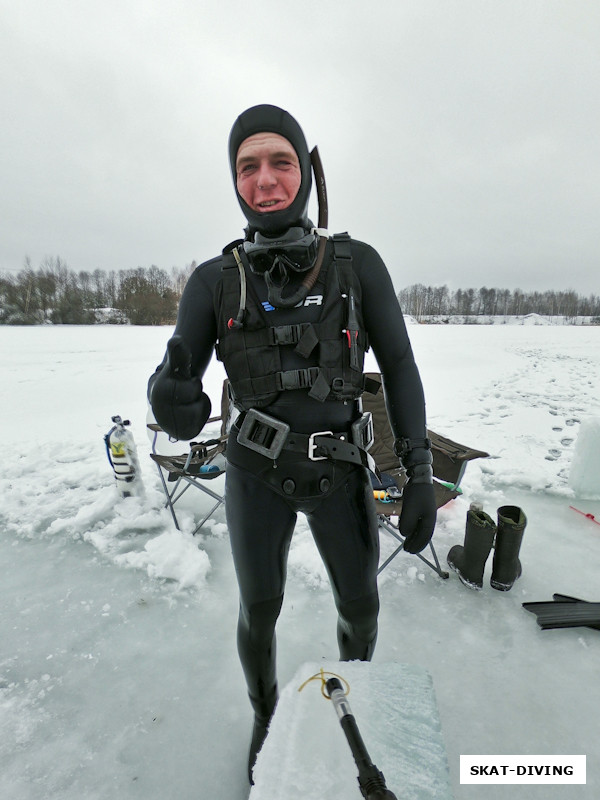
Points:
x=320, y=676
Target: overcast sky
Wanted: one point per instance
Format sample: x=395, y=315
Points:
x=460, y=138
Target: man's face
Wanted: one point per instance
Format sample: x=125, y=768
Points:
x=268, y=172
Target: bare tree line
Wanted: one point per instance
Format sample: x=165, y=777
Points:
x=56, y=294
x=149, y=296
x=426, y=301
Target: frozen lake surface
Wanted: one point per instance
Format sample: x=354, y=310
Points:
x=119, y=676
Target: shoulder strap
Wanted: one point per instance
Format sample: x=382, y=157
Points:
x=342, y=253
x=341, y=245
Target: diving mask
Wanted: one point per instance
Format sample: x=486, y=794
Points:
x=295, y=250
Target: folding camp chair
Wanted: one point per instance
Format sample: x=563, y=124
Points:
x=203, y=462
x=449, y=463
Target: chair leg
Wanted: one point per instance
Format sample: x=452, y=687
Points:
x=181, y=493
x=437, y=568
x=390, y=558
x=169, y=503
x=392, y=530
x=172, y=498
x=213, y=509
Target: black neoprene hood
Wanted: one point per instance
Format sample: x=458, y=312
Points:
x=271, y=119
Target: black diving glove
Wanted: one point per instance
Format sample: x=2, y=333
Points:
x=419, y=508
x=180, y=406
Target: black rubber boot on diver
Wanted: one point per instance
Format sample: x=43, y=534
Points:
x=507, y=567
x=468, y=560
x=263, y=711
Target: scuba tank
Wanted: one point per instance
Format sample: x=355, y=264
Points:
x=122, y=456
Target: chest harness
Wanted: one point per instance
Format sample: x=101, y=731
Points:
x=334, y=347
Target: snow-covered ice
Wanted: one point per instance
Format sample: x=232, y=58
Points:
x=306, y=754
x=119, y=676
x=584, y=476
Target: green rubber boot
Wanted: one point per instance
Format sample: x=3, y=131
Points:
x=507, y=567
x=468, y=560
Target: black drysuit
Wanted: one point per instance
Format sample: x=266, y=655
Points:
x=338, y=502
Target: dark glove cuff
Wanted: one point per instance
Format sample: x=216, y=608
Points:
x=404, y=447
x=418, y=455
x=420, y=473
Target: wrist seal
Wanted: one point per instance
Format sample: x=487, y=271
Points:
x=403, y=446
x=420, y=473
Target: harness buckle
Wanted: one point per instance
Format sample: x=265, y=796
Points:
x=286, y=334
x=296, y=378
x=362, y=431
x=312, y=446
x=263, y=434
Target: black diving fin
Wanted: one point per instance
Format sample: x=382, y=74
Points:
x=565, y=611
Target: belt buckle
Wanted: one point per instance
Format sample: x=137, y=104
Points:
x=253, y=421
x=312, y=446
x=362, y=431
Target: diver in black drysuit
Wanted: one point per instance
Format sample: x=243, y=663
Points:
x=263, y=497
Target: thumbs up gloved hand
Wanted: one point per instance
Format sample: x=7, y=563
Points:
x=180, y=406
x=419, y=509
